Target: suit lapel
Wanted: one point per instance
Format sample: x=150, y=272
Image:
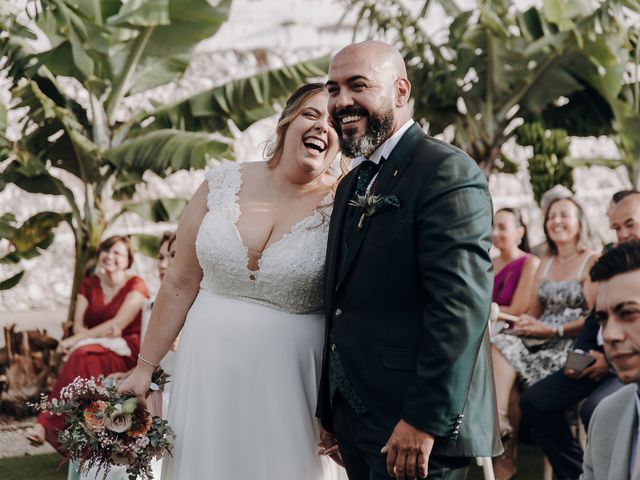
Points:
x=334, y=242
x=390, y=173
x=620, y=455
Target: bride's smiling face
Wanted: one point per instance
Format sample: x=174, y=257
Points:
x=311, y=142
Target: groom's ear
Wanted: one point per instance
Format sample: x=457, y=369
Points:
x=402, y=91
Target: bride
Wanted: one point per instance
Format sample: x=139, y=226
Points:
x=246, y=283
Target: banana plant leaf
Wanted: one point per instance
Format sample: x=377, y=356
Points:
x=148, y=245
x=242, y=101
x=167, y=151
x=159, y=210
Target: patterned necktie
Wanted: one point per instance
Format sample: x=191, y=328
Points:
x=368, y=170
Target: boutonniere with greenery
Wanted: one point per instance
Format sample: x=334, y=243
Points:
x=371, y=204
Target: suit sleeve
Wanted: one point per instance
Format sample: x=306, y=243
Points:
x=454, y=219
x=587, y=461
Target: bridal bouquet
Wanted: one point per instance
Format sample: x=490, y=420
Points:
x=105, y=428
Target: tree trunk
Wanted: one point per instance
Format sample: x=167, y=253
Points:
x=487, y=161
x=85, y=252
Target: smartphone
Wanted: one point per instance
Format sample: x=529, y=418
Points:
x=578, y=360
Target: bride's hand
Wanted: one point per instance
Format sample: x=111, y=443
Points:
x=329, y=446
x=137, y=384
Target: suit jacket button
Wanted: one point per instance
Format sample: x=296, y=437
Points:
x=333, y=347
x=338, y=312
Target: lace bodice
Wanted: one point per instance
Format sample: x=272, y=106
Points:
x=290, y=272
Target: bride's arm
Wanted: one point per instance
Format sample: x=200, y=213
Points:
x=177, y=292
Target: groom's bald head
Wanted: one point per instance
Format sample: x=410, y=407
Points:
x=369, y=95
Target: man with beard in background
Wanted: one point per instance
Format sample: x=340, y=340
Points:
x=406, y=388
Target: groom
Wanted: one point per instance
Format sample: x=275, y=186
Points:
x=406, y=388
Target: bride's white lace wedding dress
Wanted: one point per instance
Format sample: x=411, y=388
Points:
x=247, y=371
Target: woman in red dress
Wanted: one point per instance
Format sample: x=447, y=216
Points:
x=106, y=328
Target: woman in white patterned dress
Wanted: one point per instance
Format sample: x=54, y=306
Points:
x=247, y=285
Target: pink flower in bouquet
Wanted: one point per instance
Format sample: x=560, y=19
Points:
x=119, y=421
x=142, y=425
x=94, y=414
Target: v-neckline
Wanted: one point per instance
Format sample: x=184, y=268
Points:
x=115, y=295
x=253, y=274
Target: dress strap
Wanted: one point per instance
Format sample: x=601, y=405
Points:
x=224, y=183
x=584, y=264
x=547, y=267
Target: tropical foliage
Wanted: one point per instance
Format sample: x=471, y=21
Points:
x=498, y=67
x=83, y=137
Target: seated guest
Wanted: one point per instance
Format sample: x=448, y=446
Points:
x=106, y=329
x=538, y=344
x=514, y=272
x=613, y=446
x=514, y=268
x=546, y=403
x=156, y=401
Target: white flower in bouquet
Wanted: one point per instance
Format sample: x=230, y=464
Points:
x=119, y=421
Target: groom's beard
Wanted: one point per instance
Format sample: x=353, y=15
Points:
x=379, y=127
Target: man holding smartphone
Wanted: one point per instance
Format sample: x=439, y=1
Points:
x=587, y=376
x=613, y=448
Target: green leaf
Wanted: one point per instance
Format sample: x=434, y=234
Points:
x=37, y=183
x=167, y=151
x=530, y=24
x=191, y=22
x=142, y=13
x=159, y=210
x=11, y=281
x=148, y=245
x=552, y=84
x=243, y=101
x=7, y=225
x=36, y=231
x=562, y=12
x=153, y=72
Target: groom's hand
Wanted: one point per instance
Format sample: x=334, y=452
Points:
x=408, y=451
x=329, y=446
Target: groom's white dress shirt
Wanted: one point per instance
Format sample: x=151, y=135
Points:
x=383, y=150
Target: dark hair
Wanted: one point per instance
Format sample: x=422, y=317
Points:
x=584, y=235
x=622, y=258
x=524, y=244
x=622, y=194
x=106, y=245
x=168, y=238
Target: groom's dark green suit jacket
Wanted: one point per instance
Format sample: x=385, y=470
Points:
x=408, y=301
